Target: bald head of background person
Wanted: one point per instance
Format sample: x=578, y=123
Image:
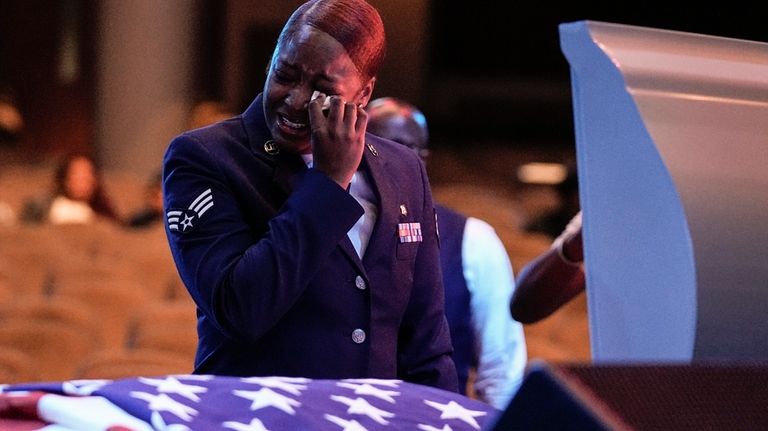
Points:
x=399, y=121
x=477, y=275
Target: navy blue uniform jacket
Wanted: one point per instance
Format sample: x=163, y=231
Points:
x=261, y=244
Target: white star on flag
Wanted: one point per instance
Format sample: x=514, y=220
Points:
x=366, y=389
x=159, y=424
x=292, y=385
x=83, y=387
x=445, y=427
x=172, y=385
x=454, y=410
x=360, y=406
x=163, y=402
x=381, y=382
x=347, y=425
x=255, y=425
x=266, y=397
x=198, y=377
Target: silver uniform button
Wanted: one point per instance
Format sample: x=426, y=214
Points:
x=358, y=336
x=360, y=283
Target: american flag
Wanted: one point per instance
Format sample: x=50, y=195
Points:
x=205, y=402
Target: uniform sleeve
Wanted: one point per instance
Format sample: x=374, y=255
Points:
x=425, y=341
x=501, y=350
x=571, y=229
x=242, y=281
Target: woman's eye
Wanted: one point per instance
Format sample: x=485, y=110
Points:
x=281, y=76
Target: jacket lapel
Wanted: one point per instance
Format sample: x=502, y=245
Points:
x=383, y=235
x=349, y=250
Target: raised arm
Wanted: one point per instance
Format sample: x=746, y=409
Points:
x=552, y=279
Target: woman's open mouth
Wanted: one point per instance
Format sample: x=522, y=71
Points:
x=292, y=127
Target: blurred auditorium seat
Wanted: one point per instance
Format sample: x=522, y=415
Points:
x=16, y=366
x=26, y=258
x=112, y=303
x=5, y=287
x=146, y=252
x=177, y=314
x=168, y=326
x=81, y=240
x=116, y=364
x=54, y=348
x=177, y=341
x=65, y=311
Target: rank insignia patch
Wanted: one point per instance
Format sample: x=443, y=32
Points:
x=184, y=220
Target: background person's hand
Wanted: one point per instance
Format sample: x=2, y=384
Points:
x=338, y=139
x=573, y=249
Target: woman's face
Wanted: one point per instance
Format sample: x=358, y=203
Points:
x=310, y=60
x=80, y=182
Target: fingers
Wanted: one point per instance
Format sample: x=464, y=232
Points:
x=350, y=117
x=336, y=111
x=315, y=108
x=335, y=118
x=361, y=123
x=331, y=110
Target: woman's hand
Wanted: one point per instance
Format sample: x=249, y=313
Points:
x=338, y=139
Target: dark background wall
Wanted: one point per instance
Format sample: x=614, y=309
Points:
x=482, y=71
x=55, y=98
x=496, y=72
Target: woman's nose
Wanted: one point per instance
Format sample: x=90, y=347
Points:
x=298, y=98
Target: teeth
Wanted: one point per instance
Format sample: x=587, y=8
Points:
x=293, y=125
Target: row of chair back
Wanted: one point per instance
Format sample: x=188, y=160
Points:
x=91, y=301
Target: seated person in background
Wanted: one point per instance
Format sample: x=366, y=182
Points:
x=477, y=276
x=11, y=127
x=11, y=120
x=552, y=279
x=152, y=212
x=78, y=195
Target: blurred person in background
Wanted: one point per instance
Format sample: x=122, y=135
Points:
x=77, y=196
x=477, y=276
x=11, y=126
x=152, y=211
x=11, y=120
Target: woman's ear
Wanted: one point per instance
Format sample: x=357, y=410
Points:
x=366, y=92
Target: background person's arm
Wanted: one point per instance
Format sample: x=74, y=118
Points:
x=552, y=279
x=500, y=341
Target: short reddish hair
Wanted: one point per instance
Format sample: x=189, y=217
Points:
x=355, y=24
